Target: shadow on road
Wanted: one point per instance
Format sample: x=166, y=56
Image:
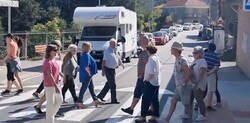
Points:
x=191, y=45
x=33, y=69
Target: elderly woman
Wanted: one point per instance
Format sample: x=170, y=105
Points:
x=88, y=69
x=151, y=86
x=70, y=69
x=199, y=71
x=51, y=83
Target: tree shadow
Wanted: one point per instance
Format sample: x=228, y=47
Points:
x=192, y=45
x=33, y=69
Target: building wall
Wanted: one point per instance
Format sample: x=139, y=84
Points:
x=243, y=42
x=189, y=14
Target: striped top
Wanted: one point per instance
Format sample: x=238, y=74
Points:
x=212, y=60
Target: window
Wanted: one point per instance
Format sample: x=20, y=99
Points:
x=130, y=27
x=127, y=28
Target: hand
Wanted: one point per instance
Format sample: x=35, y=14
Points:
x=57, y=89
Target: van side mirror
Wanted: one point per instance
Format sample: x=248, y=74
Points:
x=75, y=41
x=123, y=40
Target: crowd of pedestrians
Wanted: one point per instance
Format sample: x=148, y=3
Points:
x=193, y=81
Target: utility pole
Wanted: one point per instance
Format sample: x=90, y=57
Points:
x=99, y=3
x=219, y=8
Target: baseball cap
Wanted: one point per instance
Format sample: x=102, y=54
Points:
x=177, y=45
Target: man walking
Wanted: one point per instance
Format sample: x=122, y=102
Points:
x=213, y=63
x=111, y=61
x=182, y=75
x=143, y=58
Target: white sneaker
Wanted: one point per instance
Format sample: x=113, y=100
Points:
x=200, y=118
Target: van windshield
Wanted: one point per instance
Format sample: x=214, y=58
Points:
x=97, y=31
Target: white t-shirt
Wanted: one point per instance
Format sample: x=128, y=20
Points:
x=197, y=65
x=153, y=67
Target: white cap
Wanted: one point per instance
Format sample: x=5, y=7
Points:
x=177, y=45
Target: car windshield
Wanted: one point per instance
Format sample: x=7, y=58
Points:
x=98, y=33
x=157, y=34
x=187, y=24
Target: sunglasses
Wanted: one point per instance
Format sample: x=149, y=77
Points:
x=195, y=52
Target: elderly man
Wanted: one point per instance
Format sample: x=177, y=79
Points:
x=143, y=58
x=182, y=74
x=111, y=61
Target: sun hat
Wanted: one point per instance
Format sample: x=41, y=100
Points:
x=177, y=45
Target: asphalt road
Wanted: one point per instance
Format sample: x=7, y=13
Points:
x=19, y=109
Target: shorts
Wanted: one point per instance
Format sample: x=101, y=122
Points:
x=183, y=94
x=138, y=88
x=211, y=83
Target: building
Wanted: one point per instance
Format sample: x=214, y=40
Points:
x=243, y=42
x=187, y=10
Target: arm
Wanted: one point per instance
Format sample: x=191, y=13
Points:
x=214, y=70
x=187, y=74
x=202, y=74
x=150, y=76
x=103, y=68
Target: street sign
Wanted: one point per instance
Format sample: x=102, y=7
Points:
x=246, y=5
x=9, y=3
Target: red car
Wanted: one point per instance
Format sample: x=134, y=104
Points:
x=160, y=38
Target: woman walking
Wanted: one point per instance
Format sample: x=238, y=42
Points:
x=19, y=69
x=199, y=71
x=88, y=69
x=11, y=63
x=70, y=69
x=51, y=83
x=151, y=86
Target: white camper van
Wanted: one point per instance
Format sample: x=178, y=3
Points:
x=100, y=24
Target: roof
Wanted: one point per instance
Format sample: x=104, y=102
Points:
x=185, y=3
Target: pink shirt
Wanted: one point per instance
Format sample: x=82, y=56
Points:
x=50, y=66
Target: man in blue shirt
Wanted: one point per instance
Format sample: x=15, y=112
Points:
x=111, y=61
x=213, y=62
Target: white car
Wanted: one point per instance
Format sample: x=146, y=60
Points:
x=179, y=27
x=151, y=37
x=173, y=30
x=197, y=26
x=187, y=26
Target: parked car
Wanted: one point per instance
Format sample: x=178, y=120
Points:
x=173, y=30
x=151, y=37
x=166, y=36
x=197, y=26
x=187, y=26
x=170, y=34
x=179, y=27
x=206, y=33
x=160, y=38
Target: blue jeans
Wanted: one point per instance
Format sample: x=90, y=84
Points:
x=88, y=84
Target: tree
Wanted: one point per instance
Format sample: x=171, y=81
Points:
x=24, y=17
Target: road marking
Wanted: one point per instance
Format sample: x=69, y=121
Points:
x=131, y=89
x=78, y=115
x=21, y=97
x=30, y=111
x=166, y=108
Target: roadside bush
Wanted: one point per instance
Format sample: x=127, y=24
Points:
x=3, y=52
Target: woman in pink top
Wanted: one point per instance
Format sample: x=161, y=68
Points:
x=51, y=74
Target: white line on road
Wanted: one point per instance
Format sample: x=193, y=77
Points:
x=78, y=115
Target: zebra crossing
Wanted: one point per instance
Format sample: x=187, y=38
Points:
x=20, y=108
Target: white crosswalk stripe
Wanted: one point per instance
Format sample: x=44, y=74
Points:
x=76, y=115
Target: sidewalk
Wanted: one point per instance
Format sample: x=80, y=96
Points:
x=235, y=90
x=30, y=69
